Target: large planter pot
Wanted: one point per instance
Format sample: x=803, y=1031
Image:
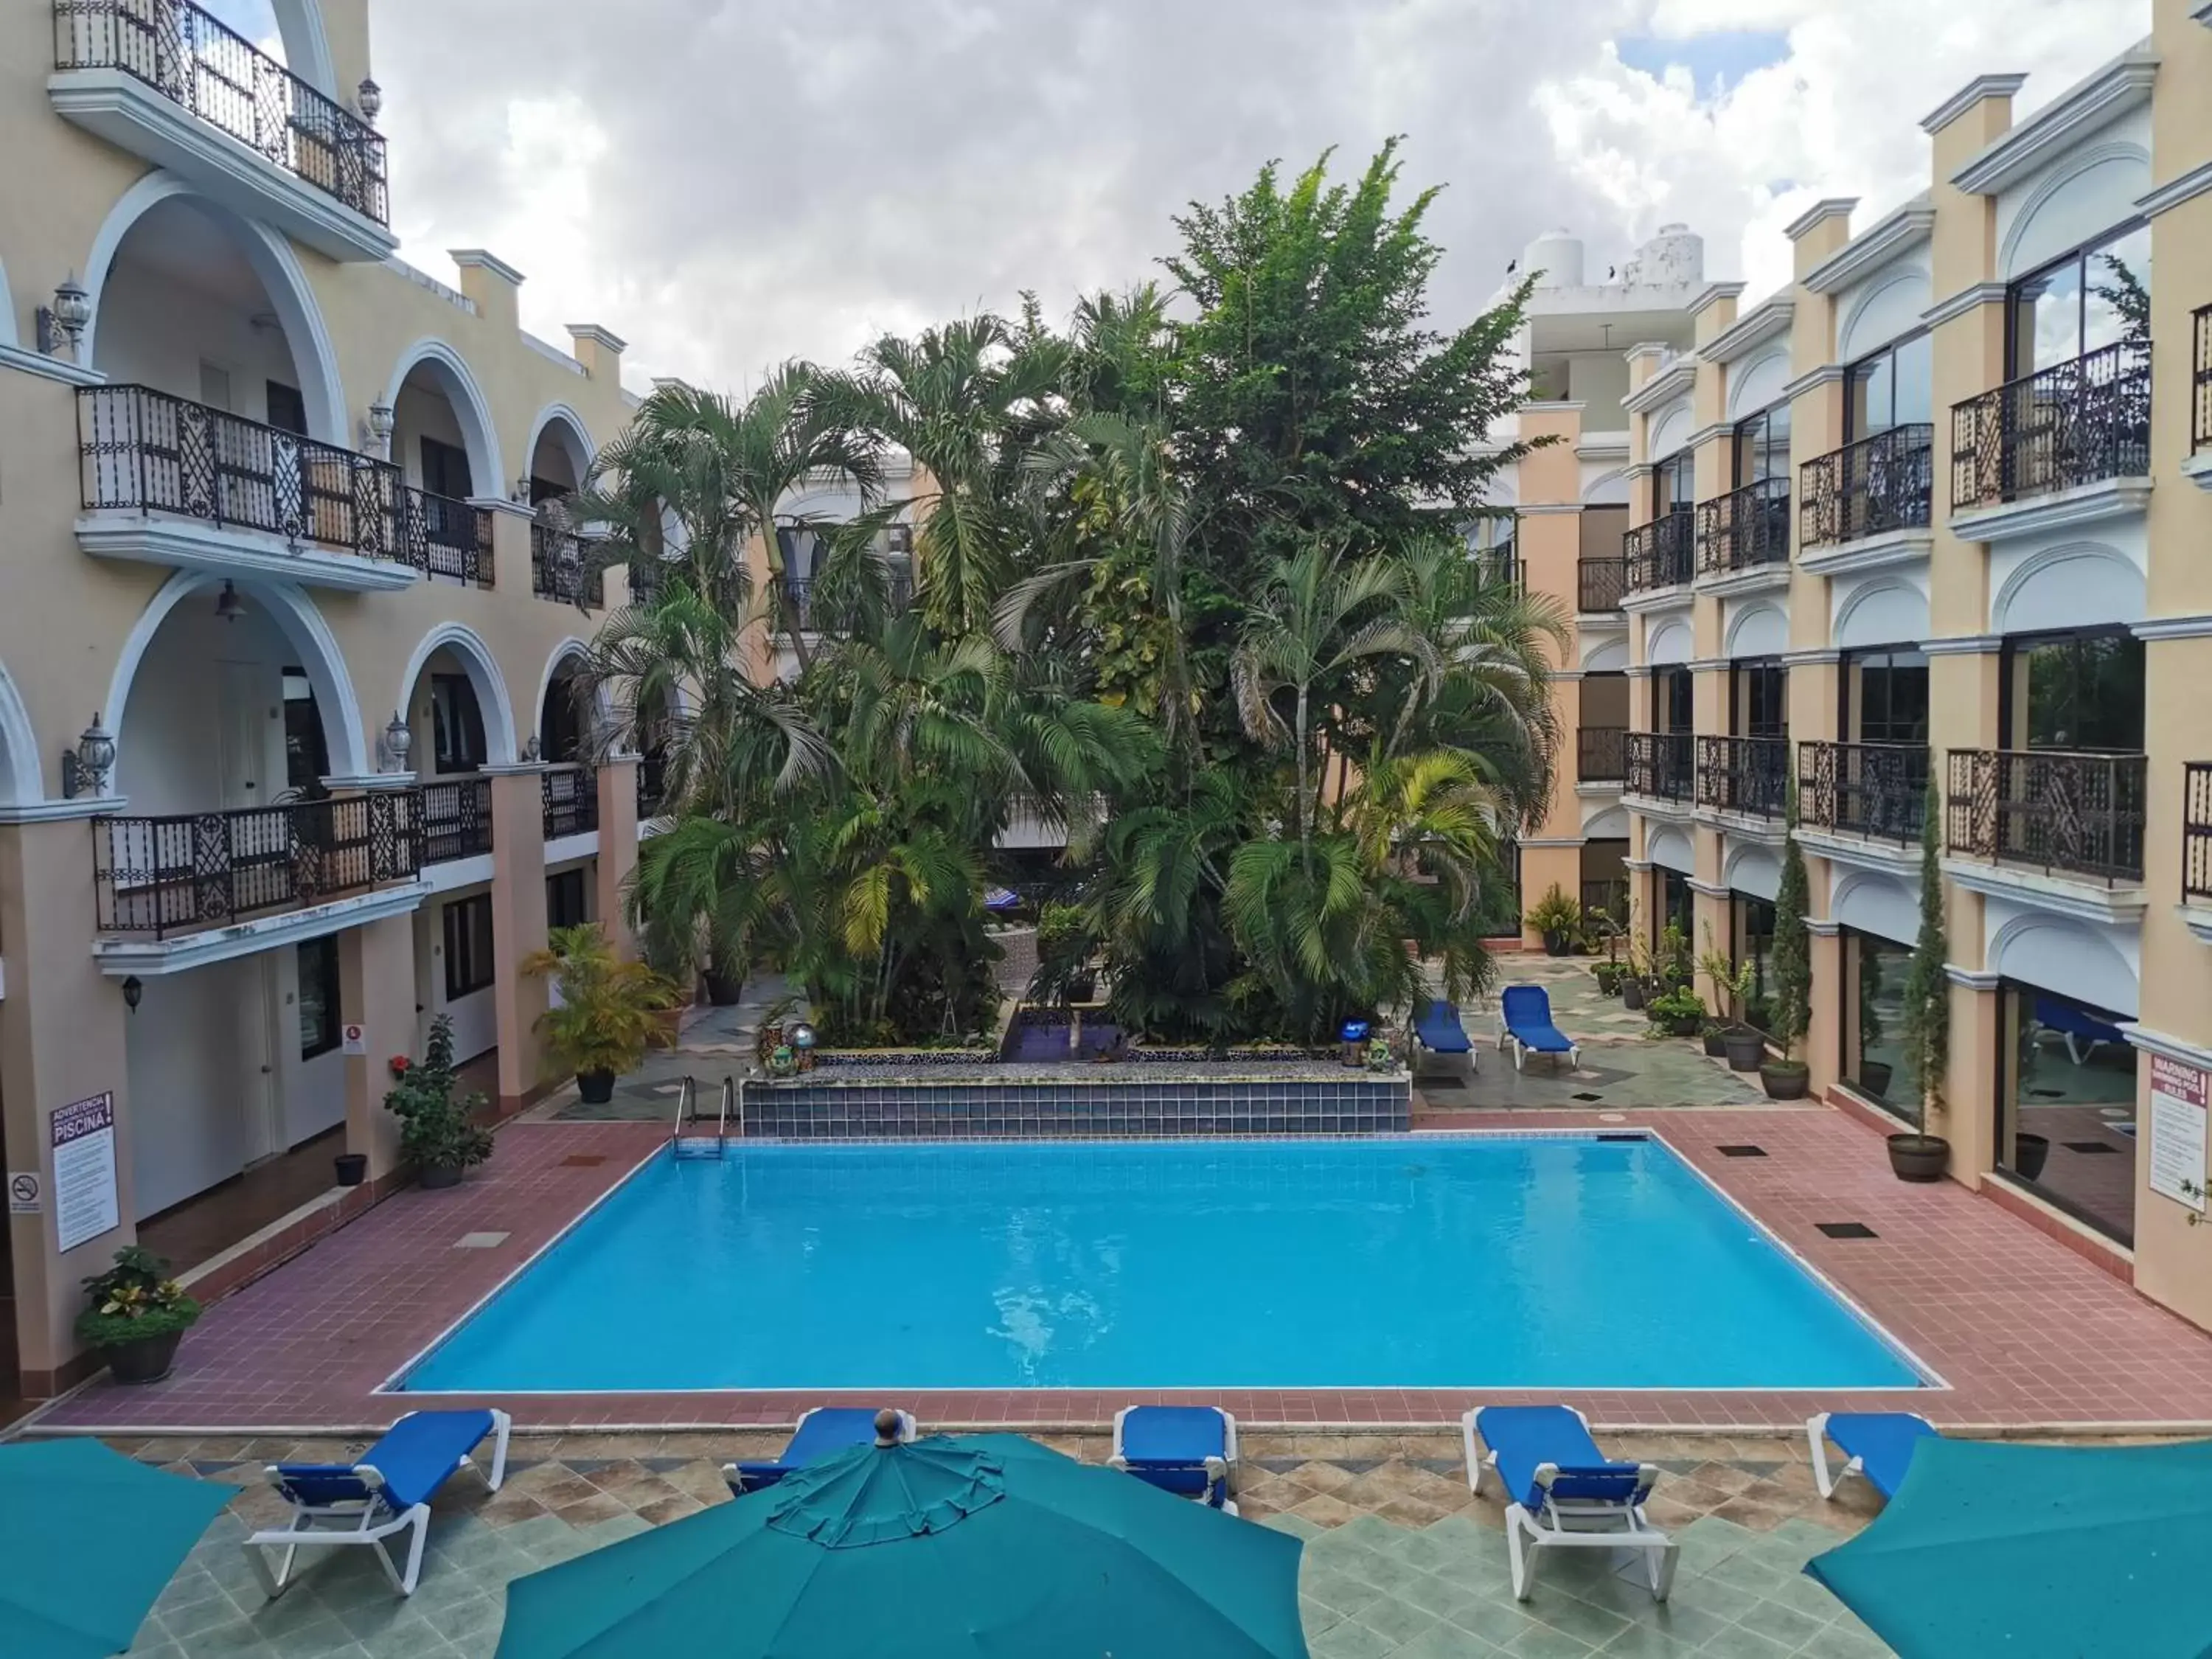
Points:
x=441, y=1175
x=1785, y=1079
x=1716, y=1044
x=1683, y=1025
x=1555, y=944
x=1747, y=1048
x=1874, y=1077
x=1608, y=980
x=147, y=1359
x=1918, y=1157
x=723, y=990
x=2028, y=1154
x=1632, y=992
x=595, y=1088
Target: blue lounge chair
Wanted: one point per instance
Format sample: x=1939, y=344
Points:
x=1190, y=1449
x=2084, y=1033
x=1524, y=1018
x=387, y=1490
x=1561, y=1492
x=823, y=1429
x=1878, y=1445
x=1437, y=1030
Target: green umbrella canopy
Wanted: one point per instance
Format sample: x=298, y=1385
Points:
x=1991, y=1547
x=88, y=1540
x=987, y=1545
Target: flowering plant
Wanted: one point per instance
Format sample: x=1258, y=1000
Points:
x=134, y=1298
x=398, y=1063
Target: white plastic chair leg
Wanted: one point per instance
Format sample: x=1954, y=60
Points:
x=1816, y=1439
x=1660, y=1565
x=1520, y=1556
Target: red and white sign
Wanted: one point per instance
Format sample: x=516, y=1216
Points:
x=2175, y=1152
x=353, y=1039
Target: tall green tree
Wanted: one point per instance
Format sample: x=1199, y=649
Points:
x=1927, y=1023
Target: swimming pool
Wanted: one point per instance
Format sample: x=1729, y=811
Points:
x=1551, y=1263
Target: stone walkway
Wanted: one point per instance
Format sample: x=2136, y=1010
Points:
x=1401, y=1560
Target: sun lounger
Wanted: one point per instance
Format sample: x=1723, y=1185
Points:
x=1190, y=1449
x=1437, y=1028
x=1877, y=1444
x=824, y=1430
x=1524, y=1018
x=1561, y=1492
x=386, y=1491
x=2083, y=1032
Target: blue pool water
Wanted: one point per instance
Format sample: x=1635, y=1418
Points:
x=1462, y=1263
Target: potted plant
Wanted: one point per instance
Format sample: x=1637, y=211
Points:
x=1741, y=1044
x=135, y=1314
x=1789, y=1078
x=1609, y=975
x=1715, y=1032
x=1919, y=1155
x=1557, y=919
x=609, y=1010
x=438, y=1134
x=1678, y=1012
x=1636, y=984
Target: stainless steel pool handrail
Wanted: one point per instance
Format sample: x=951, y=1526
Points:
x=722, y=1123
x=687, y=1101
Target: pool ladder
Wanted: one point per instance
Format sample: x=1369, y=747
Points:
x=699, y=1144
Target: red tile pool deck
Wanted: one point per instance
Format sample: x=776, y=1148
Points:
x=2026, y=1334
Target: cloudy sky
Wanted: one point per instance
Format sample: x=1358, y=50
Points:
x=728, y=183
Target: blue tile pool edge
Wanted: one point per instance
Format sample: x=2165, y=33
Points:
x=1932, y=1381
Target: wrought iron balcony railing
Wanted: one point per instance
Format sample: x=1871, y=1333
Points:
x=1870, y=488
x=1609, y=899
x=2197, y=831
x=2074, y=423
x=445, y=539
x=1744, y=529
x=1498, y=565
x=1660, y=554
x=557, y=568
x=144, y=451
x=1877, y=789
x=2074, y=810
x=1599, y=584
x=1658, y=765
x=196, y=871
x=1601, y=754
x=651, y=785
x=2200, y=383
x=1744, y=774
x=456, y=820
x=185, y=55
x=571, y=798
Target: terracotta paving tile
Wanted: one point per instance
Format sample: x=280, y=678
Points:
x=2024, y=1331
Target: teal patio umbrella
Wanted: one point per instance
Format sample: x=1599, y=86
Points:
x=987, y=1545
x=88, y=1540
x=2036, y=1553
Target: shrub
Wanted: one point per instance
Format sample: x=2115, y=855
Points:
x=1793, y=953
x=1556, y=912
x=607, y=1019
x=133, y=1299
x=435, y=1130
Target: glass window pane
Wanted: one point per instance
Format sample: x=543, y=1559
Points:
x=2117, y=307
x=1913, y=385
x=2066, y=1117
x=1871, y=401
x=318, y=997
x=1875, y=1060
x=2046, y=320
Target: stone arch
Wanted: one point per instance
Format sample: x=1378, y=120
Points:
x=2060, y=954
x=2072, y=204
x=569, y=650
x=1882, y=613
x=1754, y=870
x=1758, y=630
x=449, y=372
x=1881, y=905
x=1670, y=429
x=1757, y=384
x=1670, y=846
x=1608, y=489
x=306, y=47
x=477, y=662
x=1609, y=822
x=1606, y=657
x=1669, y=644
x=303, y=629
x=274, y=263
x=1887, y=309
x=559, y=421
x=20, y=784
x=2074, y=585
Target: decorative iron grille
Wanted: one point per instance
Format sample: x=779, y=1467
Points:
x=147, y=452
x=1658, y=765
x=2197, y=831
x=1601, y=754
x=195, y=871
x=557, y=569
x=185, y=55
x=1746, y=528
x=456, y=820
x=445, y=539
x=571, y=796
x=1743, y=774
x=1877, y=789
x=1599, y=584
x=651, y=785
x=1660, y=554
x=2072, y=425
x=2071, y=811
x=1870, y=488
x=2199, y=384
x=798, y=604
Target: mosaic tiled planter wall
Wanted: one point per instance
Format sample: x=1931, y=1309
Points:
x=925, y=1110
